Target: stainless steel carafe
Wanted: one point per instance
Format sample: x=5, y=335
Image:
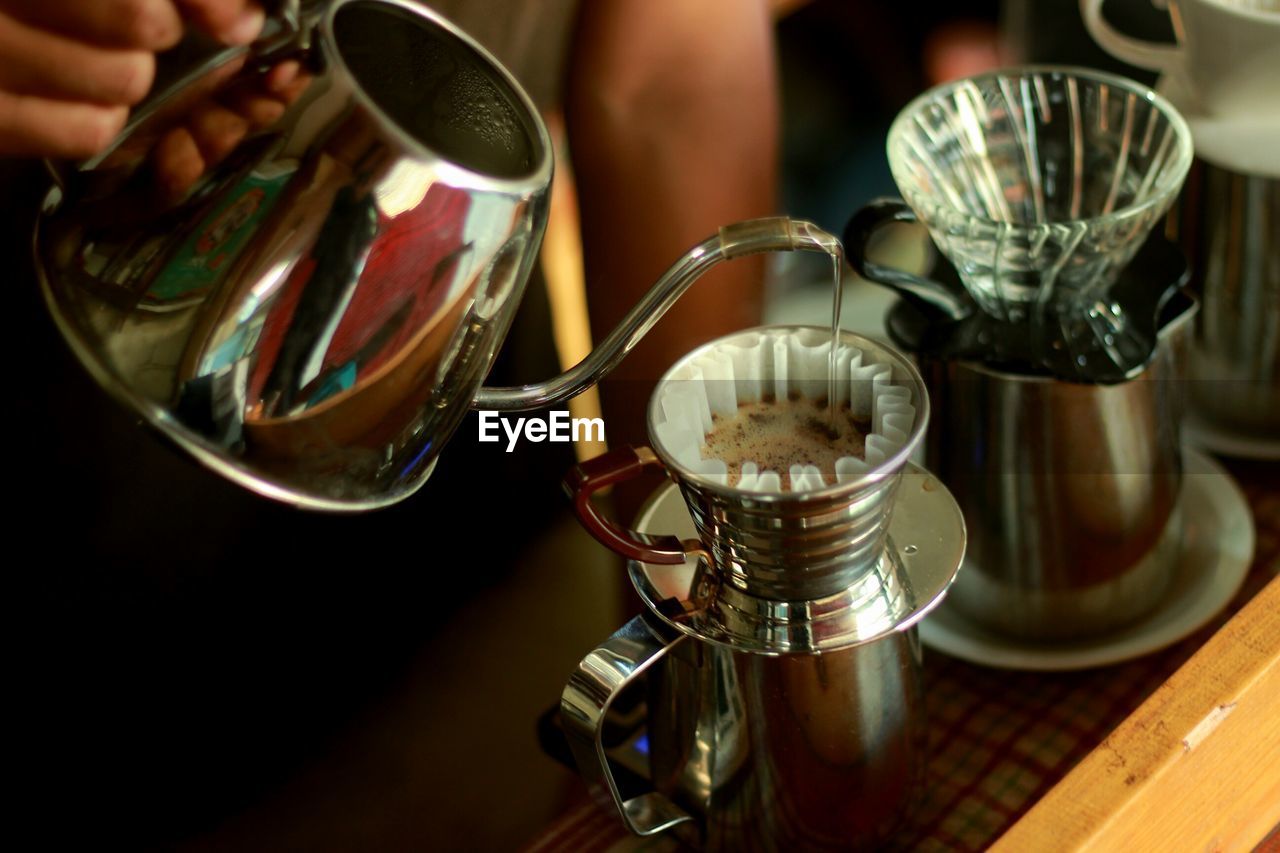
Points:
x=299, y=260
x=781, y=725
x=1071, y=491
x=1071, y=486
x=780, y=661
x=747, y=751
x=1228, y=223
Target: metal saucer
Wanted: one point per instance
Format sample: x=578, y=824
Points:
x=926, y=547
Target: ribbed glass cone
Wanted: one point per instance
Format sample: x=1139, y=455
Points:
x=1039, y=184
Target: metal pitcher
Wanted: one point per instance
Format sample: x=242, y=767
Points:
x=308, y=301
x=1071, y=491
x=1228, y=222
x=747, y=751
x=778, y=651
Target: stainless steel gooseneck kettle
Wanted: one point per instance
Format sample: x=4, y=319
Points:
x=300, y=258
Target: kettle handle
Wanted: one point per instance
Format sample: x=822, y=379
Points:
x=587, y=478
x=596, y=682
x=287, y=31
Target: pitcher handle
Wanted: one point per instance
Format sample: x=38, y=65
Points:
x=595, y=683
x=931, y=297
x=589, y=477
x=1153, y=56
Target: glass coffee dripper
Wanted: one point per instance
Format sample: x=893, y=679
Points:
x=1038, y=184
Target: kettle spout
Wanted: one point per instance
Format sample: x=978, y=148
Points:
x=771, y=234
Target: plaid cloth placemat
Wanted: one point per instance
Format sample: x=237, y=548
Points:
x=999, y=740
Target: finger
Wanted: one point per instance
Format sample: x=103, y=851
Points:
x=37, y=127
x=177, y=163
x=296, y=87
x=44, y=64
x=217, y=131
x=230, y=21
x=260, y=111
x=137, y=24
x=282, y=75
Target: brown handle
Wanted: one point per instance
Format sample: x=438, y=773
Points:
x=616, y=466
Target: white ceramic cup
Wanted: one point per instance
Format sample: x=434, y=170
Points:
x=1227, y=56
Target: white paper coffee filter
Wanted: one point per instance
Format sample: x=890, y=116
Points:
x=755, y=365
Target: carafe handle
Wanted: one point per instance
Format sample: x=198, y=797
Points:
x=594, y=685
x=589, y=477
x=931, y=297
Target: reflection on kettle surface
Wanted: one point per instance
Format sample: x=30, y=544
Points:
x=300, y=262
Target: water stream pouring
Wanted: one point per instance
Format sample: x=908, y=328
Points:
x=1039, y=185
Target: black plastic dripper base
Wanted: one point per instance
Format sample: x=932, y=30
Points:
x=1149, y=290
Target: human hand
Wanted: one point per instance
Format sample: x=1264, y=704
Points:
x=70, y=69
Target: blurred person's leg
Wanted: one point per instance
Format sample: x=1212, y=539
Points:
x=673, y=125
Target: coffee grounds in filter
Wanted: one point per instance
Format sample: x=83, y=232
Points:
x=779, y=434
x=788, y=364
